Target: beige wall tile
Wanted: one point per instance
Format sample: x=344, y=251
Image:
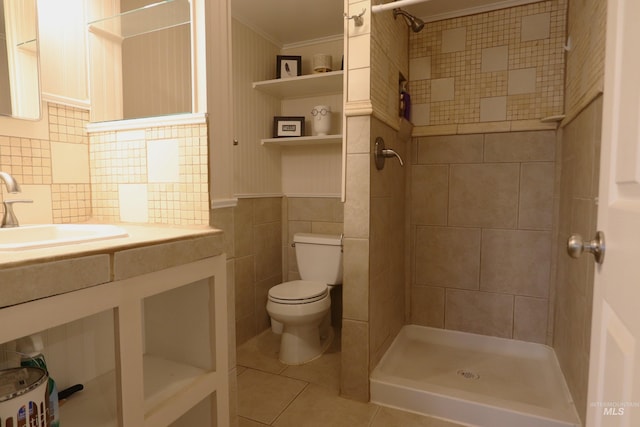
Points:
x=487, y=127
x=450, y=149
x=358, y=134
x=479, y=312
x=355, y=287
x=314, y=209
x=435, y=130
x=516, y=262
x=39, y=211
x=69, y=163
x=359, y=85
x=522, y=81
x=381, y=301
x=243, y=227
x=267, y=209
x=454, y=40
x=359, y=52
x=574, y=278
x=535, y=27
x=442, y=89
x=163, y=161
x=484, y=195
x=327, y=227
x=447, y=257
x=380, y=240
x=263, y=321
x=130, y=135
x=420, y=114
x=495, y=59
x=427, y=306
x=244, y=286
x=223, y=219
x=420, y=68
x=134, y=204
x=297, y=227
x=267, y=246
x=245, y=329
x=493, y=109
x=356, y=207
x=530, y=319
x=429, y=194
x=354, y=374
x=536, y=196
x=520, y=147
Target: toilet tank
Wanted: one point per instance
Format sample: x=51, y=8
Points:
x=319, y=257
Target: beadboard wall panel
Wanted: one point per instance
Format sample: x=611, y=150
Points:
x=256, y=168
x=156, y=69
x=309, y=171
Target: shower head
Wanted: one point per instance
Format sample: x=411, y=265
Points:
x=416, y=24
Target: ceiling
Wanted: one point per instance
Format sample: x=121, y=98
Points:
x=290, y=21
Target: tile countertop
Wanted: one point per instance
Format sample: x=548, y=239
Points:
x=30, y=274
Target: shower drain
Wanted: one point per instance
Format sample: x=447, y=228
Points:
x=467, y=374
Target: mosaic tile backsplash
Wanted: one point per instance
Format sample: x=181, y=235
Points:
x=504, y=65
x=154, y=175
x=52, y=172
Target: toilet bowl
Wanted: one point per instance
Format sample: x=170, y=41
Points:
x=302, y=307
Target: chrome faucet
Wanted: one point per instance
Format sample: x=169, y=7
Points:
x=10, y=182
x=9, y=219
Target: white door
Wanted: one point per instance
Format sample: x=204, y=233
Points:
x=614, y=371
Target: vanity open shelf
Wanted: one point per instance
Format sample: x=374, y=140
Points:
x=147, y=348
x=302, y=86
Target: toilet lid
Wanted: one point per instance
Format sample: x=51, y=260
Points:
x=298, y=292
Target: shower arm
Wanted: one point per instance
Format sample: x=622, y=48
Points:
x=395, y=5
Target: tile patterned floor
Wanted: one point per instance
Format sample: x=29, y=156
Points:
x=273, y=394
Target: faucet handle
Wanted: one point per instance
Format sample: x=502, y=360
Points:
x=10, y=219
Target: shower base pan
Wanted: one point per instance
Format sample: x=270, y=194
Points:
x=473, y=379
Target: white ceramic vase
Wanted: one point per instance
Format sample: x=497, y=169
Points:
x=321, y=119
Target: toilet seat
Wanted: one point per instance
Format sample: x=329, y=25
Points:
x=298, y=292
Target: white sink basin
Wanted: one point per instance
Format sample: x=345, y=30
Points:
x=51, y=235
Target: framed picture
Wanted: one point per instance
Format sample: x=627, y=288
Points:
x=288, y=66
x=284, y=127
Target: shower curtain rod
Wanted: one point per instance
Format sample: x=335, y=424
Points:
x=394, y=5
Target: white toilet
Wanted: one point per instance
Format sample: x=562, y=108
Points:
x=303, y=306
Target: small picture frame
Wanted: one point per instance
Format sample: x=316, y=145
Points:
x=288, y=126
x=288, y=66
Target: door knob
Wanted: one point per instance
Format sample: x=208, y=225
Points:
x=576, y=246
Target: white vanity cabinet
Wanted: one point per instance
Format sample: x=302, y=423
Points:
x=150, y=346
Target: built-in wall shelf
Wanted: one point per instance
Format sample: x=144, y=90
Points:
x=303, y=86
x=158, y=16
x=302, y=140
